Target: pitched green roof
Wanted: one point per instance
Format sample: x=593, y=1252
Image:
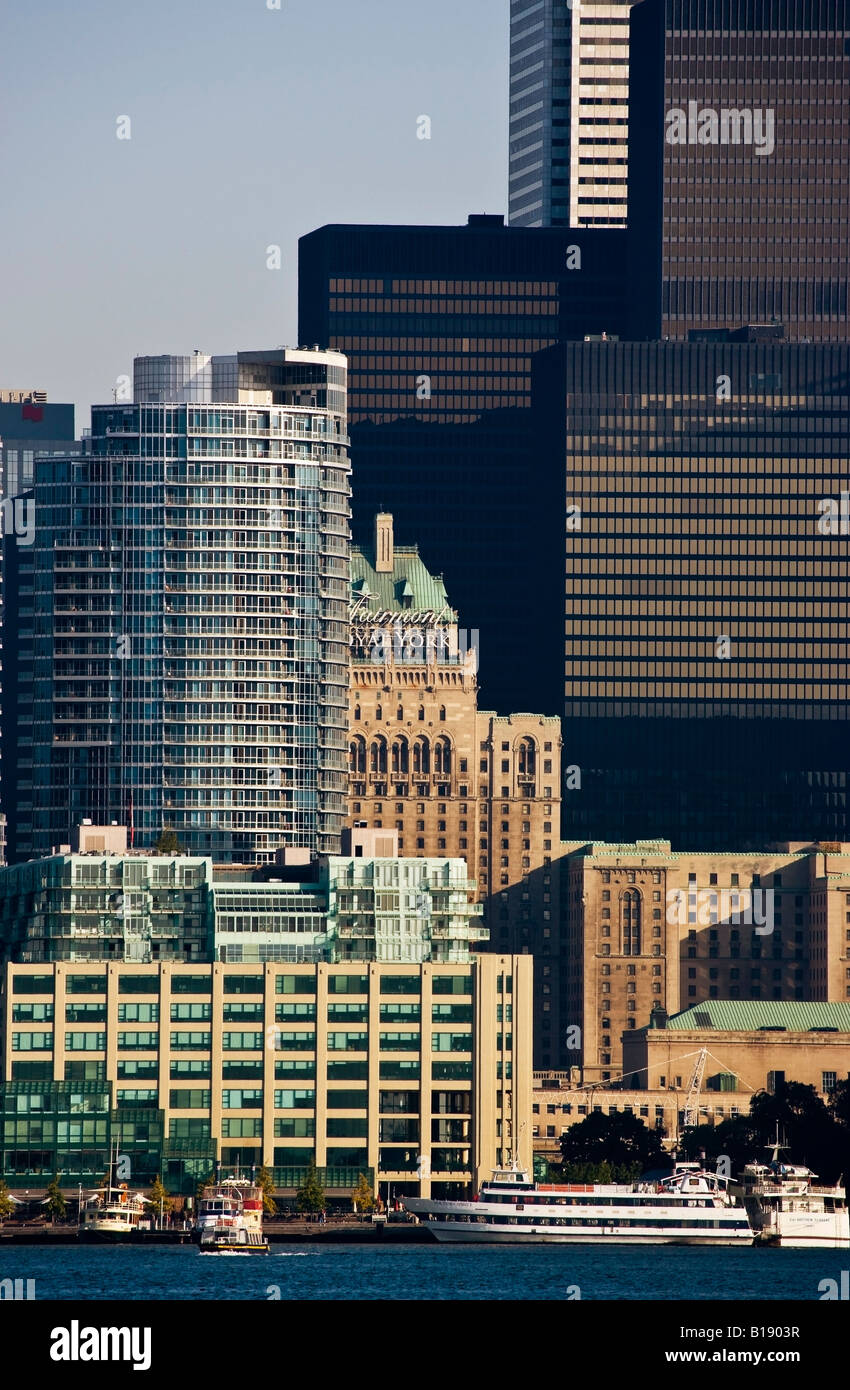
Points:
x=410, y=586
x=741, y=1015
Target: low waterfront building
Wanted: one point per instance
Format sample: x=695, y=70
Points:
x=752, y=1045
x=418, y=1075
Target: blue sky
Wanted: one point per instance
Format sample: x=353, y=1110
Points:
x=249, y=126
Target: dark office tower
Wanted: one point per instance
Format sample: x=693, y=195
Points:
x=706, y=594
x=184, y=614
x=739, y=130
x=30, y=425
x=439, y=325
x=569, y=106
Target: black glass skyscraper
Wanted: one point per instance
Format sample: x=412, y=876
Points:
x=706, y=677
x=739, y=131
x=439, y=325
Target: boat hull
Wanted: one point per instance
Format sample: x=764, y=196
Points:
x=449, y=1233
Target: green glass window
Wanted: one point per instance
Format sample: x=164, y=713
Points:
x=85, y=1042
x=400, y=984
x=292, y=1069
x=138, y=984
x=138, y=1013
x=38, y=1042
x=191, y=984
x=236, y=1071
x=451, y=1013
x=242, y=1099
x=451, y=1042
x=189, y=1098
x=295, y=984
x=190, y=1041
x=340, y=1127
x=294, y=1100
x=286, y=1012
x=348, y=1013
x=348, y=984
x=32, y=984
x=139, y=1040
x=399, y=1042
x=295, y=1127
x=294, y=1042
x=85, y=1013
x=348, y=1071
x=451, y=984
x=398, y=1070
x=191, y=1013
x=248, y=1042
x=347, y=1042
x=400, y=1013
x=243, y=1013
x=145, y=1067
x=243, y=984
x=347, y=1100
x=32, y=1013
x=85, y=984
x=195, y=1067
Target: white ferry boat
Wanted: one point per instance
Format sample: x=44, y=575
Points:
x=787, y=1209
x=691, y=1207
x=230, y=1219
x=111, y=1212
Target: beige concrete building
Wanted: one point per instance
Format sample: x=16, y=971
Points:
x=751, y=1046
x=451, y=779
x=419, y=1075
x=648, y=927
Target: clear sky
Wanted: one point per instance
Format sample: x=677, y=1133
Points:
x=249, y=126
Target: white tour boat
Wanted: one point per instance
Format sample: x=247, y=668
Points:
x=112, y=1211
x=691, y=1207
x=230, y=1219
x=786, y=1208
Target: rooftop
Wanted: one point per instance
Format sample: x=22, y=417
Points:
x=746, y=1015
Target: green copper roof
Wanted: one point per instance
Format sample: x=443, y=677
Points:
x=741, y=1015
x=410, y=586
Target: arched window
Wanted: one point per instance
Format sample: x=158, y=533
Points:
x=443, y=758
x=399, y=714
x=379, y=713
x=378, y=758
x=357, y=756
x=421, y=758
x=421, y=714
x=356, y=711
x=400, y=757
x=526, y=760
x=442, y=714
x=630, y=922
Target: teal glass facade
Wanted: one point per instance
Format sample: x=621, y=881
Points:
x=184, y=614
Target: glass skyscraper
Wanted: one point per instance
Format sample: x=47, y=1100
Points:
x=706, y=679
x=569, y=110
x=183, y=613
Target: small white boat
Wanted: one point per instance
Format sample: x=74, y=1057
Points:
x=112, y=1211
x=230, y=1219
x=690, y=1207
x=787, y=1209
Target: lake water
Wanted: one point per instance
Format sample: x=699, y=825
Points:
x=423, y=1272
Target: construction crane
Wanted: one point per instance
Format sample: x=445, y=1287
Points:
x=690, y=1114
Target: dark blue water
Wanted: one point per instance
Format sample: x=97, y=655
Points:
x=552, y=1272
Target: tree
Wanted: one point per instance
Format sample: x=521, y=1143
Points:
x=159, y=1198
x=811, y=1131
x=619, y=1139
x=265, y=1179
x=735, y=1139
x=55, y=1200
x=310, y=1196
x=7, y=1206
x=362, y=1196
x=168, y=842
x=204, y=1182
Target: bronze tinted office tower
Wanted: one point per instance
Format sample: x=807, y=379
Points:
x=739, y=128
x=706, y=676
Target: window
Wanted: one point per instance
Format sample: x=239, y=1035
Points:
x=138, y=1013
x=300, y=984
x=248, y=1041
x=239, y=1099
x=191, y=1013
x=243, y=984
x=828, y=1080
x=189, y=1099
